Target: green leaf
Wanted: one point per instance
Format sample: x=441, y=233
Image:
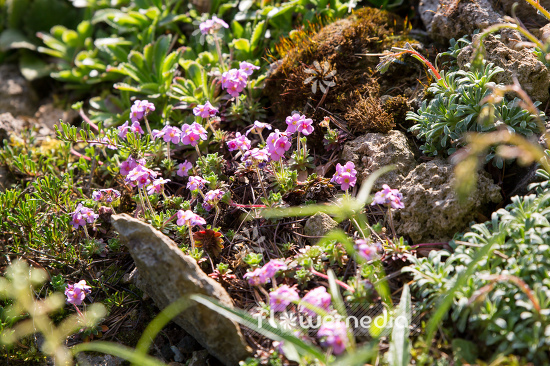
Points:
x=12, y=39
x=33, y=67
x=194, y=73
x=241, y=44
x=399, y=350
x=258, y=35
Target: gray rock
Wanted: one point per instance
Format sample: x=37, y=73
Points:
x=16, y=96
x=6, y=179
x=454, y=19
x=318, y=225
x=48, y=115
x=523, y=64
x=9, y=124
x=373, y=151
x=188, y=344
x=171, y=275
x=432, y=210
x=427, y=10
x=524, y=11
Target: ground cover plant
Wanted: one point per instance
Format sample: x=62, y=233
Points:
x=221, y=126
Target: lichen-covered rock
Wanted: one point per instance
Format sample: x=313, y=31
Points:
x=171, y=275
x=523, y=64
x=454, y=19
x=318, y=225
x=432, y=210
x=16, y=97
x=373, y=151
x=8, y=125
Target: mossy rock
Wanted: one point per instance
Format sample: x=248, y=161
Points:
x=333, y=55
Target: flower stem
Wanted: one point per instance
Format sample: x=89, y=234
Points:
x=147, y=124
x=261, y=181
x=219, y=50
x=191, y=238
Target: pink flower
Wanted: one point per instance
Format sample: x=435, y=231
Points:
x=183, y=169
x=292, y=122
x=123, y=130
x=234, y=81
x=281, y=297
x=212, y=25
x=318, y=297
x=388, y=196
x=82, y=215
x=257, y=277
x=346, y=180
x=334, y=334
x=157, y=186
x=305, y=126
x=205, y=110
x=171, y=134
x=136, y=128
x=196, y=182
x=140, y=109
x=368, y=252
x=240, y=142
x=77, y=292
x=211, y=198
x=255, y=157
x=274, y=266
x=248, y=68
x=349, y=168
x=189, y=218
x=258, y=127
x=192, y=134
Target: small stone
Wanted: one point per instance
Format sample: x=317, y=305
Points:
x=48, y=115
x=374, y=151
x=318, y=225
x=103, y=360
x=199, y=358
x=10, y=125
x=171, y=275
x=432, y=210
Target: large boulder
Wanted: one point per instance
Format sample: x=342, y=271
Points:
x=433, y=212
x=169, y=275
x=531, y=73
x=373, y=151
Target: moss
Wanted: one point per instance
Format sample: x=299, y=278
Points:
x=338, y=48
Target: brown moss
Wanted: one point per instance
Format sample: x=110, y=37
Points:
x=369, y=116
x=341, y=46
x=398, y=106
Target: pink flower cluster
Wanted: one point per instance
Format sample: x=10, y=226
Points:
x=212, y=25
x=345, y=175
x=277, y=144
x=189, y=218
x=82, y=215
x=183, y=169
x=157, y=186
x=77, y=292
x=127, y=166
x=389, y=197
x=240, y=142
x=141, y=176
x=234, y=81
x=256, y=157
x=192, y=134
x=282, y=296
x=195, y=182
x=140, y=109
x=299, y=123
x=318, y=297
x=105, y=195
x=368, y=252
x=205, y=110
x=125, y=128
x=168, y=133
x=334, y=334
x=263, y=274
x=211, y=198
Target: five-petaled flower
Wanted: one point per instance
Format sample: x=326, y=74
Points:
x=189, y=218
x=205, y=110
x=210, y=26
x=318, y=297
x=282, y=296
x=196, y=182
x=389, y=197
x=82, y=215
x=77, y=292
x=334, y=334
x=183, y=169
x=140, y=109
x=157, y=186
